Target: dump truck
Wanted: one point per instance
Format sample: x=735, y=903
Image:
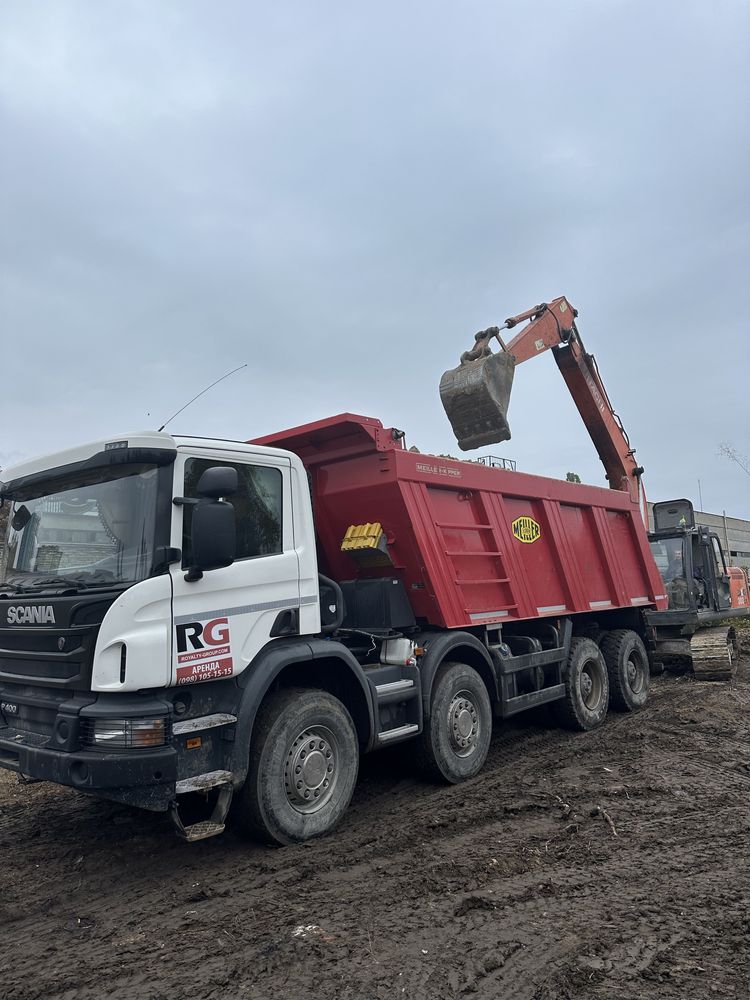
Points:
x=703, y=593
x=234, y=623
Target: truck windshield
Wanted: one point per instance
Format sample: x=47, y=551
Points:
x=668, y=555
x=90, y=530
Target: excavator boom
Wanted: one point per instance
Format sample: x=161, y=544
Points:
x=476, y=394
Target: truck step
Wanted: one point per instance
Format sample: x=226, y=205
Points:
x=397, y=692
x=210, y=827
x=394, y=687
x=397, y=734
x=202, y=831
x=202, y=782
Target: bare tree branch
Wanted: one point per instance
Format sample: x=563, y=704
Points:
x=727, y=451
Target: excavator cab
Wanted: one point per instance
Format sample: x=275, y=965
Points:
x=475, y=397
x=689, y=558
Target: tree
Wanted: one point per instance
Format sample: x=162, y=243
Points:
x=727, y=451
x=572, y=477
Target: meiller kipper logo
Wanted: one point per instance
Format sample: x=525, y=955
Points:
x=19, y=614
x=526, y=529
x=439, y=470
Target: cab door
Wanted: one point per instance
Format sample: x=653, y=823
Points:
x=723, y=593
x=221, y=621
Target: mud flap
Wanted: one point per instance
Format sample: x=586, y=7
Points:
x=475, y=397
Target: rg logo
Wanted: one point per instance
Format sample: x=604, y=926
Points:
x=201, y=635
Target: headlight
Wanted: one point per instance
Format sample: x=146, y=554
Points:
x=125, y=734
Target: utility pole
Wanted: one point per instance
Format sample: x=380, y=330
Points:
x=700, y=495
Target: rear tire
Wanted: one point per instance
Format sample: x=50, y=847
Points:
x=628, y=668
x=456, y=737
x=586, y=700
x=304, y=759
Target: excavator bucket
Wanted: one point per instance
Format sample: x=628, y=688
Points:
x=475, y=397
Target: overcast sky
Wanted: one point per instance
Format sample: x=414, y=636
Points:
x=341, y=194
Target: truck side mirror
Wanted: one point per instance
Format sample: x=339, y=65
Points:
x=213, y=536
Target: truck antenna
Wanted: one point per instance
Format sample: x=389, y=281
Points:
x=200, y=394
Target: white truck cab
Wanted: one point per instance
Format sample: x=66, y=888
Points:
x=115, y=632
x=169, y=629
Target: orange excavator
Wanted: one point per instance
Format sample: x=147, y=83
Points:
x=475, y=395
x=702, y=591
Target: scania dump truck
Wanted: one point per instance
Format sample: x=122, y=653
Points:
x=165, y=627
x=244, y=619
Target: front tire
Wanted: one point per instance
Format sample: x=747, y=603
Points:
x=586, y=700
x=628, y=667
x=456, y=738
x=304, y=759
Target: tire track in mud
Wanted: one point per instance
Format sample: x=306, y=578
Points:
x=489, y=888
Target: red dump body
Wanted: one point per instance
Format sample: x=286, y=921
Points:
x=473, y=545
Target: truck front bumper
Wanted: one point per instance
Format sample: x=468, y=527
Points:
x=142, y=777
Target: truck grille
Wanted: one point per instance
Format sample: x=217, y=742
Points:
x=16, y=670
x=58, y=654
x=51, y=657
x=38, y=642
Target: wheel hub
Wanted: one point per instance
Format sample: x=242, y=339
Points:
x=310, y=769
x=636, y=674
x=590, y=686
x=463, y=724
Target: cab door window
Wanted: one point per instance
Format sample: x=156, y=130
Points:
x=722, y=577
x=257, y=505
x=719, y=557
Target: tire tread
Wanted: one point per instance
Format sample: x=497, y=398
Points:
x=424, y=751
x=565, y=711
x=248, y=813
x=612, y=646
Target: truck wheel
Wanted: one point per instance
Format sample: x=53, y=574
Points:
x=628, y=668
x=304, y=758
x=456, y=738
x=586, y=687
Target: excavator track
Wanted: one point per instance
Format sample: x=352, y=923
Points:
x=714, y=653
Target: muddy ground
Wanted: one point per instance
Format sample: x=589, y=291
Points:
x=608, y=864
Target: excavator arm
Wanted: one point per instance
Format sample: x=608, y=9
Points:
x=476, y=394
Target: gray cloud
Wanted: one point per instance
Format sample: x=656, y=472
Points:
x=341, y=197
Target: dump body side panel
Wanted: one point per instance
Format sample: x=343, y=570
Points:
x=473, y=545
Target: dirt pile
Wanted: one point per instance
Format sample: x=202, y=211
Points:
x=609, y=864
